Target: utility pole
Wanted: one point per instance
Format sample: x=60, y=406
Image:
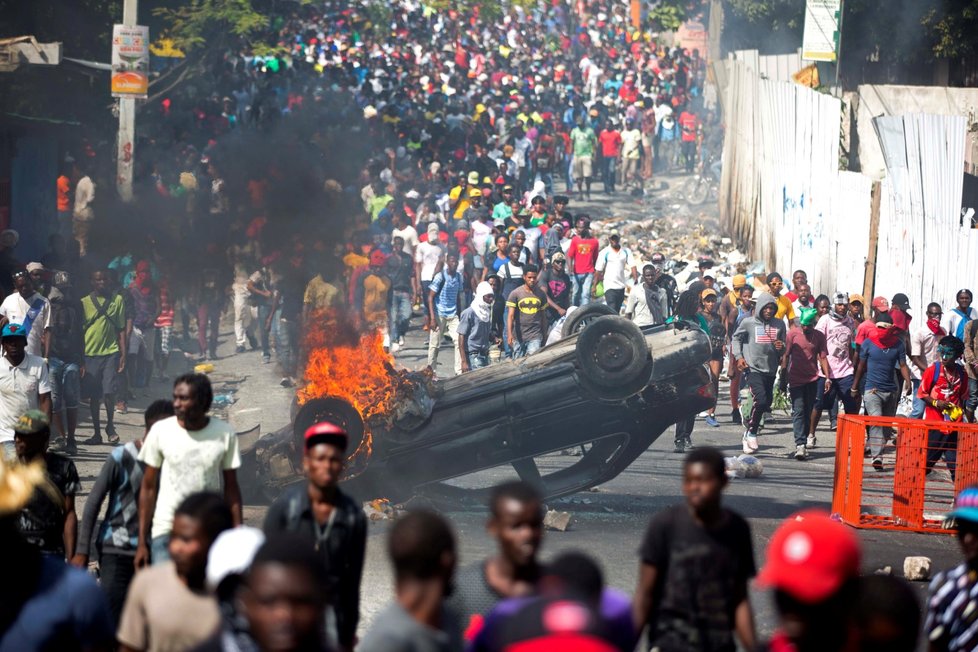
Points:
x=127, y=121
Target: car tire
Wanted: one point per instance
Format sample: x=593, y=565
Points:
x=583, y=316
x=613, y=359
x=334, y=410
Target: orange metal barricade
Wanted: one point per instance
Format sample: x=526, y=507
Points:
x=901, y=496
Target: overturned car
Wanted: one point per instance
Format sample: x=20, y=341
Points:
x=608, y=387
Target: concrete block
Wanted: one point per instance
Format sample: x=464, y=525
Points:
x=554, y=520
x=917, y=569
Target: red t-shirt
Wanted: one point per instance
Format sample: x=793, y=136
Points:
x=955, y=391
x=610, y=143
x=804, y=351
x=688, y=123
x=583, y=252
x=901, y=319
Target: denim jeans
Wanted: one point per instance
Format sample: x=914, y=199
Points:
x=879, y=404
x=477, y=360
x=523, y=349
x=115, y=573
x=614, y=299
x=802, y=403
x=264, y=334
x=425, y=285
x=582, y=288
x=608, y=172
x=400, y=313
x=284, y=332
x=65, y=384
x=972, y=402
x=942, y=444
x=159, y=549
x=918, y=403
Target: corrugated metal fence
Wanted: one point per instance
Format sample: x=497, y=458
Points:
x=925, y=251
x=783, y=197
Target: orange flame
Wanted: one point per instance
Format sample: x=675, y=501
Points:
x=359, y=372
x=342, y=363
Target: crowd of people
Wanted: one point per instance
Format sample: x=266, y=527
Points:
x=179, y=571
x=428, y=163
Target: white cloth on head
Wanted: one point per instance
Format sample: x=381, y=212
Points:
x=482, y=309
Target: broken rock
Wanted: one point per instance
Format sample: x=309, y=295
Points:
x=917, y=569
x=555, y=520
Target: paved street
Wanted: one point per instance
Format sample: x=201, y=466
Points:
x=608, y=522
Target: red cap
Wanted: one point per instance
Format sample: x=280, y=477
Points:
x=326, y=433
x=810, y=556
x=881, y=304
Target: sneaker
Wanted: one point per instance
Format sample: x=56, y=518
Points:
x=834, y=425
x=810, y=443
x=712, y=421
x=688, y=443
x=266, y=359
x=239, y=349
x=400, y=341
x=680, y=446
x=878, y=463
x=121, y=408
x=285, y=382
x=750, y=443
x=801, y=453
x=71, y=448
x=94, y=440
x=736, y=417
x=395, y=347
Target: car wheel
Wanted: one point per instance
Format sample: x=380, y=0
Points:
x=613, y=359
x=584, y=316
x=334, y=410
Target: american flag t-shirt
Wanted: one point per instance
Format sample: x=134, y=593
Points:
x=764, y=334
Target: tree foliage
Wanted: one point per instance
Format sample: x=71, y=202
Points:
x=218, y=23
x=896, y=32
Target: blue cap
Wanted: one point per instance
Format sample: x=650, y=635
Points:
x=966, y=505
x=13, y=330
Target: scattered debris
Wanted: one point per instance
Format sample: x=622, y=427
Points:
x=917, y=569
x=745, y=466
x=886, y=570
x=555, y=520
x=379, y=509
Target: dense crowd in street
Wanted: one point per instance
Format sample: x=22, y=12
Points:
x=479, y=138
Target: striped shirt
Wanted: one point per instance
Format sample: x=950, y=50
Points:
x=446, y=289
x=952, y=609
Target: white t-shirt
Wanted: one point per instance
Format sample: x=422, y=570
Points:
x=951, y=320
x=615, y=265
x=428, y=255
x=630, y=141
x=84, y=196
x=923, y=343
x=20, y=387
x=189, y=462
x=410, y=235
x=15, y=308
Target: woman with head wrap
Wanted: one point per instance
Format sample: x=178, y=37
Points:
x=475, y=329
x=805, y=352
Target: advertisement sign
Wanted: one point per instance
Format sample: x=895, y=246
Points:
x=130, y=61
x=821, y=38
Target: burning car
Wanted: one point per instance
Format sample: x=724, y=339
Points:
x=608, y=387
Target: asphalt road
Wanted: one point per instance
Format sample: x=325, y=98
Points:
x=608, y=522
